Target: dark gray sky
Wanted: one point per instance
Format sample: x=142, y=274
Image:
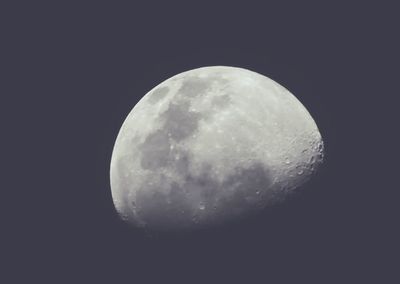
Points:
x=72, y=74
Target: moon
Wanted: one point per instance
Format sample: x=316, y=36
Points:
x=209, y=146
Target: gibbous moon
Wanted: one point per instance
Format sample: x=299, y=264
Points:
x=209, y=146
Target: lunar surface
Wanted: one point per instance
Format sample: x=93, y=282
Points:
x=209, y=146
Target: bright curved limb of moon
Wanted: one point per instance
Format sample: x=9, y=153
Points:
x=211, y=145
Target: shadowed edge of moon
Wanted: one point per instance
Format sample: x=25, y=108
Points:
x=240, y=193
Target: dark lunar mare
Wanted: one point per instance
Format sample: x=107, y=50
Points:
x=178, y=124
x=178, y=121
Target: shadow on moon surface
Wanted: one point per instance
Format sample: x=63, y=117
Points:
x=201, y=200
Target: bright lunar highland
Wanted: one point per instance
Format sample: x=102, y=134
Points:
x=209, y=146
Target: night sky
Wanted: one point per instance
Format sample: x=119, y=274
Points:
x=72, y=74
